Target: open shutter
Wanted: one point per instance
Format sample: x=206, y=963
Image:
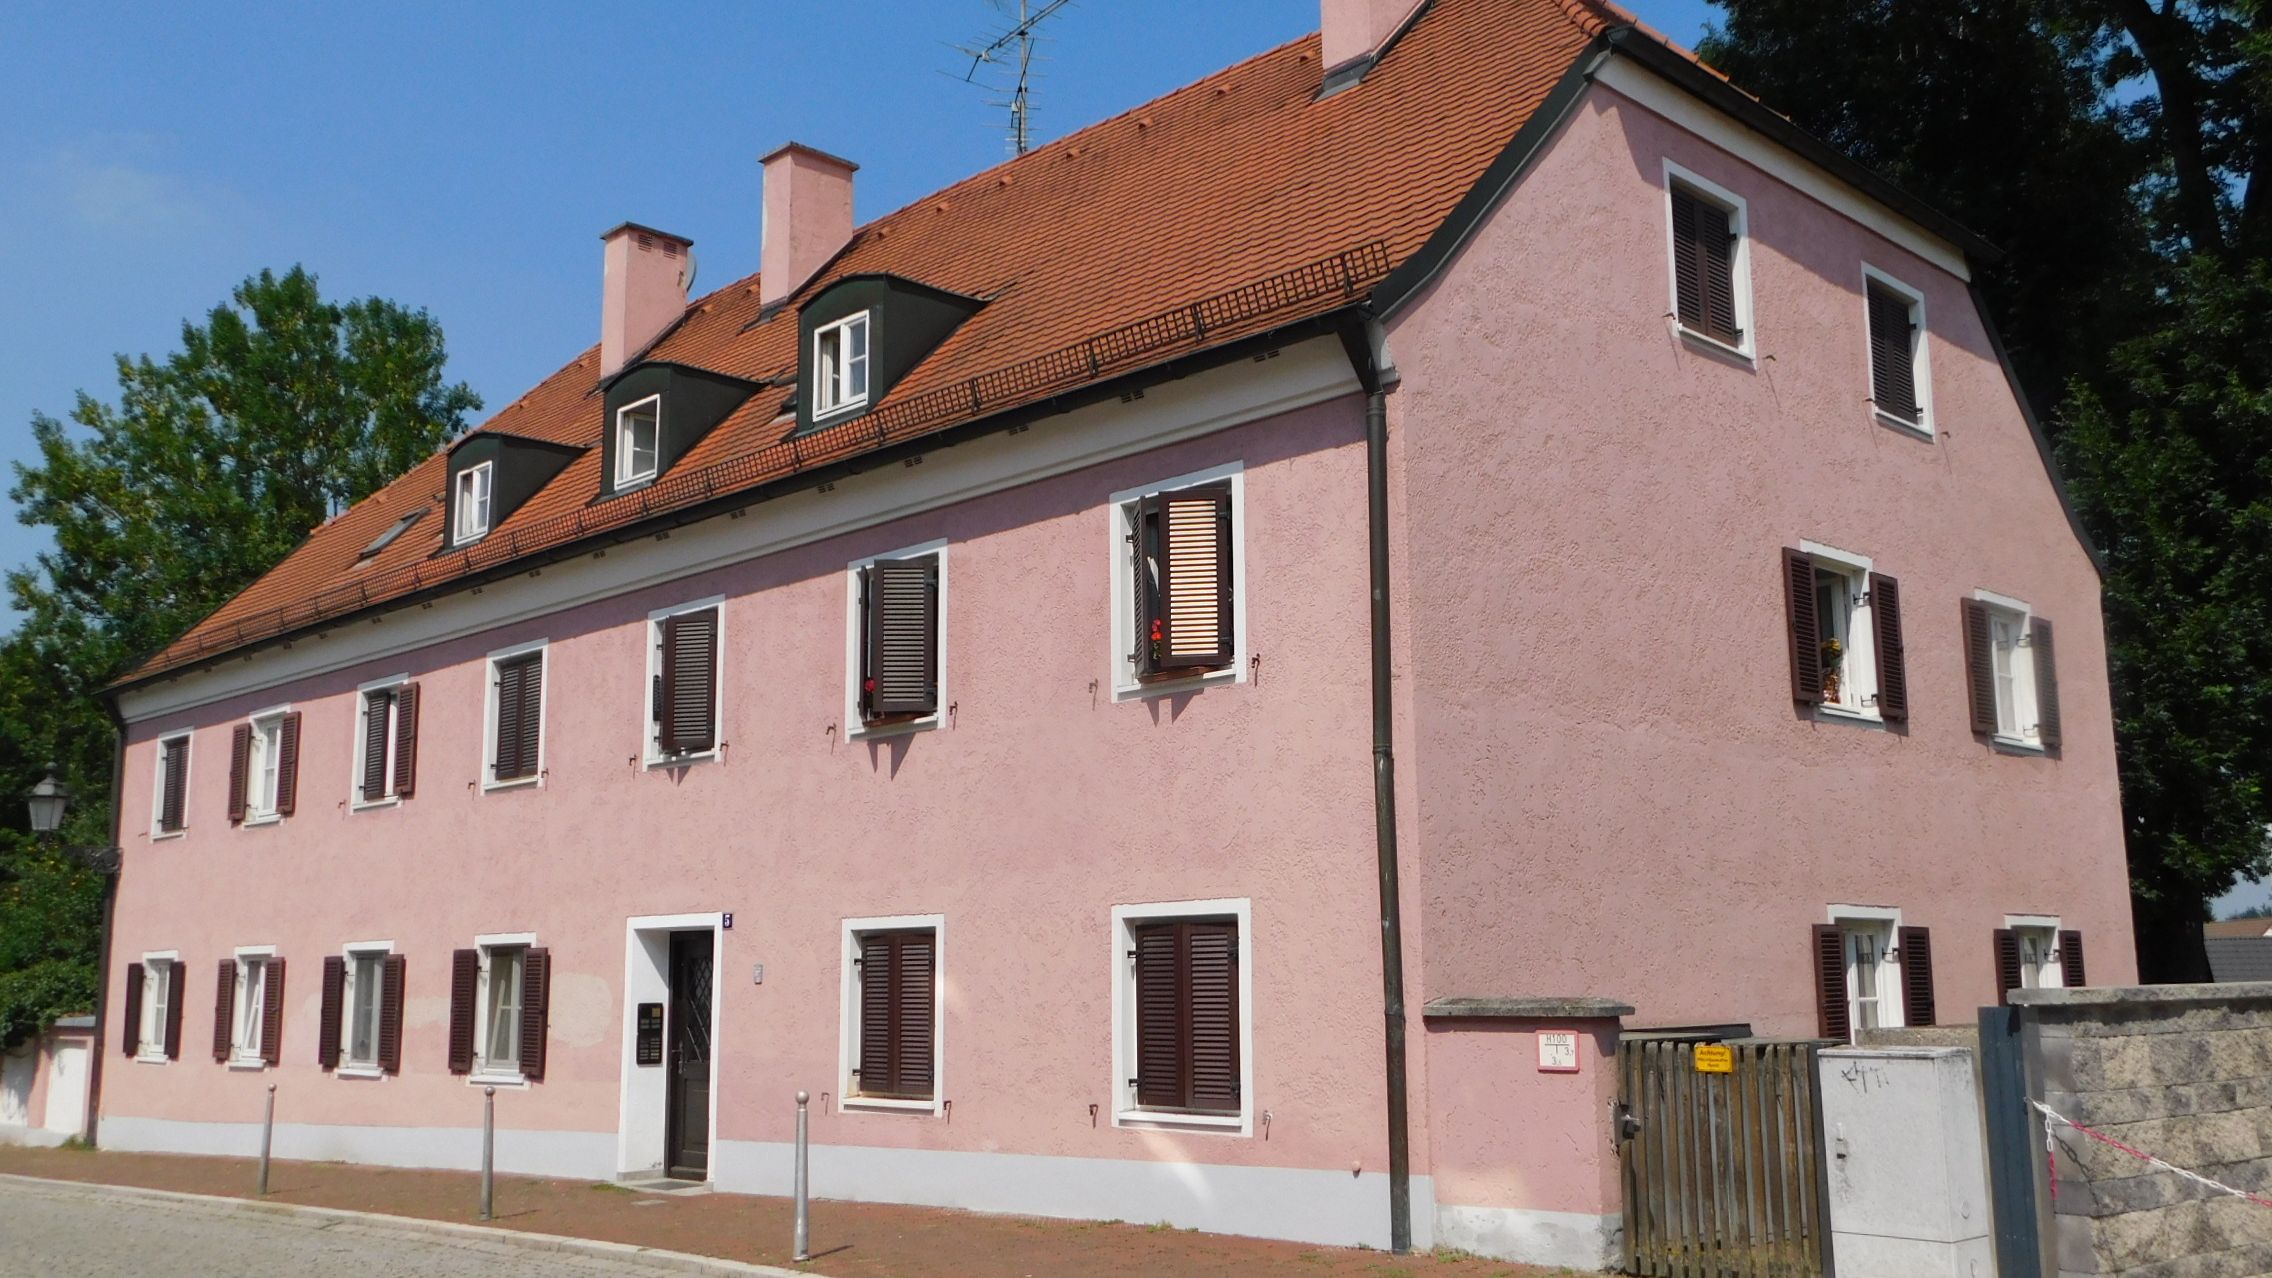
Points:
x=2007, y=964
x=390, y=1014
x=1805, y=627
x=1195, y=578
x=224, y=1008
x=1893, y=371
x=1160, y=1056
x=2071, y=959
x=1687, y=259
x=1213, y=964
x=915, y=975
x=272, y=1013
x=877, y=1078
x=1831, y=1020
x=405, y=740
x=505, y=764
x=130, y=1026
x=1716, y=236
x=170, y=803
x=376, y=734
x=536, y=1010
x=240, y=759
x=2046, y=684
x=1916, y=976
x=1980, y=666
x=532, y=713
x=687, y=720
x=1893, y=661
x=465, y=979
x=288, y=764
x=176, y=982
x=900, y=673
x=327, y=1026
x=1145, y=575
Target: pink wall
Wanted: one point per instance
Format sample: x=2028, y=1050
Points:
x=1506, y=1133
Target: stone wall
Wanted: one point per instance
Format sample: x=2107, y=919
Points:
x=2181, y=1072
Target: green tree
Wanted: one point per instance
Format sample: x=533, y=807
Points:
x=279, y=410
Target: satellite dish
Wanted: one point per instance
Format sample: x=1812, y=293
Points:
x=686, y=273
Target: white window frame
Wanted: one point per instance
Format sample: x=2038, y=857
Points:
x=855, y=728
x=1125, y=1112
x=248, y=1018
x=1920, y=353
x=158, y=783
x=485, y=1073
x=150, y=1033
x=488, y=764
x=1738, y=210
x=1892, y=1006
x=1858, y=684
x=355, y=800
x=650, y=752
x=829, y=396
x=625, y=475
x=1120, y=527
x=2051, y=972
x=463, y=529
x=349, y=1066
x=2025, y=732
x=264, y=765
x=848, y=1025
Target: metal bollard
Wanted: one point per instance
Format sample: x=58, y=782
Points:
x=488, y=1152
x=267, y=1137
x=804, y=1251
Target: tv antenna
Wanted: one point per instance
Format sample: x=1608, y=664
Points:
x=1013, y=51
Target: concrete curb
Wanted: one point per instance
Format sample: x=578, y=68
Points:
x=378, y=1222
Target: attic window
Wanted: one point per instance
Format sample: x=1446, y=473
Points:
x=840, y=365
x=387, y=538
x=638, y=432
x=473, y=485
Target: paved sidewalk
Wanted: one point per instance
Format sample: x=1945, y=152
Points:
x=850, y=1240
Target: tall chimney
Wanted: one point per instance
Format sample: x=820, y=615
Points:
x=1356, y=29
x=808, y=217
x=642, y=290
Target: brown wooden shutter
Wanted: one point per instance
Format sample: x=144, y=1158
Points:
x=2008, y=976
x=687, y=716
x=1893, y=661
x=1197, y=630
x=877, y=1077
x=2046, y=684
x=1916, y=976
x=327, y=1025
x=1831, y=1019
x=1980, y=666
x=536, y=1010
x=240, y=759
x=176, y=984
x=532, y=714
x=900, y=644
x=176, y=783
x=376, y=734
x=1213, y=982
x=465, y=980
x=1717, y=245
x=272, y=1013
x=1893, y=369
x=406, y=741
x=224, y=1008
x=520, y=715
x=130, y=1028
x=390, y=1013
x=914, y=986
x=1160, y=1080
x=1805, y=627
x=1145, y=545
x=1687, y=259
x=288, y=765
x=2071, y=959
x=1187, y=1015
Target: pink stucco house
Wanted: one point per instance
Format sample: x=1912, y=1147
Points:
x=1208, y=673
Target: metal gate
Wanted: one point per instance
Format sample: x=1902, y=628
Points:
x=1723, y=1172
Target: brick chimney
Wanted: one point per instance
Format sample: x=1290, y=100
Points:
x=808, y=217
x=643, y=286
x=1356, y=29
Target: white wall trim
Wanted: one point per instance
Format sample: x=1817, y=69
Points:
x=556, y=1154
x=355, y=800
x=1124, y=1110
x=854, y=728
x=486, y=766
x=1739, y=218
x=1893, y=1008
x=1920, y=354
x=1120, y=525
x=715, y=922
x=848, y=1015
x=188, y=736
x=650, y=756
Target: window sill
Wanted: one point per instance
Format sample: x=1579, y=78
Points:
x=480, y=1079
x=160, y=836
x=654, y=762
x=1920, y=429
x=2016, y=745
x=251, y=1066
x=1710, y=345
x=152, y=1058
x=516, y=783
x=875, y=729
x=1162, y=685
x=846, y=408
x=252, y=821
x=369, y=805
x=460, y=543
x=1160, y=1120
x=359, y=1071
x=1847, y=714
x=633, y=483
x=888, y=1105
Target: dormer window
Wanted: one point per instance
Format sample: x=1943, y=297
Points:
x=473, y=502
x=638, y=441
x=840, y=365
x=387, y=538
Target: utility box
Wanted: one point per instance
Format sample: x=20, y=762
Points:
x=1907, y=1168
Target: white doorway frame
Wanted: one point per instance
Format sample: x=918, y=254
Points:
x=661, y=925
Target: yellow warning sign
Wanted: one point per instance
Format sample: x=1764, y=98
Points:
x=1715, y=1058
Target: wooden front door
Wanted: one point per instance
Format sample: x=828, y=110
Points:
x=687, y=1062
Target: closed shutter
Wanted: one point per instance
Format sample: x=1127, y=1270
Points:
x=406, y=741
x=1893, y=371
x=1704, y=253
x=327, y=1026
x=224, y=1007
x=1893, y=661
x=1804, y=625
x=130, y=1028
x=1831, y=1019
x=687, y=713
x=1160, y=1080
x=288, y=764
x=1195, y=579
x=877, y=1078
x=377, y=731
x=520, y=716
x=1980, y=666
x=1214, y=1016
x=240, y=759
x=898, y=992
x=390, y=1013
x=170, y=803
x=2008, y=976
x=2046, y=684
x=1187, y=1016
x=900, y=665
x=536, y=1010
x=465, y=980
x=176, y=981
x=2071, y=960
x=272, y=1013
x=1916, y=976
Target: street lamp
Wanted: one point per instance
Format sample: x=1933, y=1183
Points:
x=47, y=802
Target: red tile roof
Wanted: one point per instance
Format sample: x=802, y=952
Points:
x=1243, y=194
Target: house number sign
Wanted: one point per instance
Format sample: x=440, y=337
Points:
x=650, y=1034
x=1558, y=1051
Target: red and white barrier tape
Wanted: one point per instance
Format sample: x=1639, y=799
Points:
x=2050, y=1154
